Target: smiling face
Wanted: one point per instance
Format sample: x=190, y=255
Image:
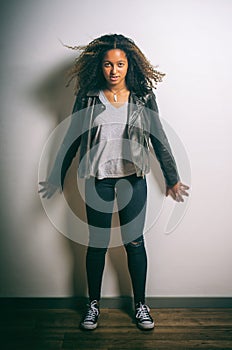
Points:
x=114, y=67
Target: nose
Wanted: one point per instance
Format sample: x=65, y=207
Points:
x=114, y=69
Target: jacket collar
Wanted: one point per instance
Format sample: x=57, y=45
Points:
x=93, y=93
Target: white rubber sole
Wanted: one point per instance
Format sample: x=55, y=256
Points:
x=89, y=326
x=146, y=326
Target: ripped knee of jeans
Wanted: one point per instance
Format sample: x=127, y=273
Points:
x=135, y=244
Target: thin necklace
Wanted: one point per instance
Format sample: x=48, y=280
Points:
x=115, y=93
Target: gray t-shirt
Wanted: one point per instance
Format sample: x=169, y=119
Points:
x=110, y=150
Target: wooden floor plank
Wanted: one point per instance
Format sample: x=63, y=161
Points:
x=57, y=329
x=118, y=344
x=177, y=334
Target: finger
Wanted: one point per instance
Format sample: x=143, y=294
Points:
x=174, y=195
x=48, y=195
x=51, y=194
x=179, y=196
x=168, y=192
x=184, y=186
x=42, y=190
x=184, y=193
x=43, y=183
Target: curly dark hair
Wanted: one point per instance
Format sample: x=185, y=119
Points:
x=141, y=75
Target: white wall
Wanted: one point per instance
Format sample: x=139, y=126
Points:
x=190, y=41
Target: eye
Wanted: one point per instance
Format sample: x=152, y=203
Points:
x=106, y=64
x=121, y=64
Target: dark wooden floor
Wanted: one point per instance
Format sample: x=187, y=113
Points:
x=42, y=329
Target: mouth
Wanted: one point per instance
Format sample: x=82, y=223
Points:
x=114, y=77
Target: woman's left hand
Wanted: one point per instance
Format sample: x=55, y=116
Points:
x=177, y=191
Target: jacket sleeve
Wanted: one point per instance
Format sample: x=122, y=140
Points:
x=68, y=148
x=161, y=145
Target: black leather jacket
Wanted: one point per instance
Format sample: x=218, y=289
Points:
x=143, y=126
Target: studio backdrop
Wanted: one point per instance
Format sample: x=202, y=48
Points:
x=188, y=244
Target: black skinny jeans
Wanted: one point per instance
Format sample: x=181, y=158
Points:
x=131, y=195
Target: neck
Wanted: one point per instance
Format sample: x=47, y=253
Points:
x=116, y=89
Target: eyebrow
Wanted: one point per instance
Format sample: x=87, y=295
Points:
x=116, y=62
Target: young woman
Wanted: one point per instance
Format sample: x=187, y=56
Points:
x=116, y=111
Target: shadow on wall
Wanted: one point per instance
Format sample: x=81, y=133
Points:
x=53, y=95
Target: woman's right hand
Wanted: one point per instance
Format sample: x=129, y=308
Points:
x=47, y=190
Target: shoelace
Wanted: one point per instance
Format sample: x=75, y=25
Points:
x=91, y=313
x=143, y=312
